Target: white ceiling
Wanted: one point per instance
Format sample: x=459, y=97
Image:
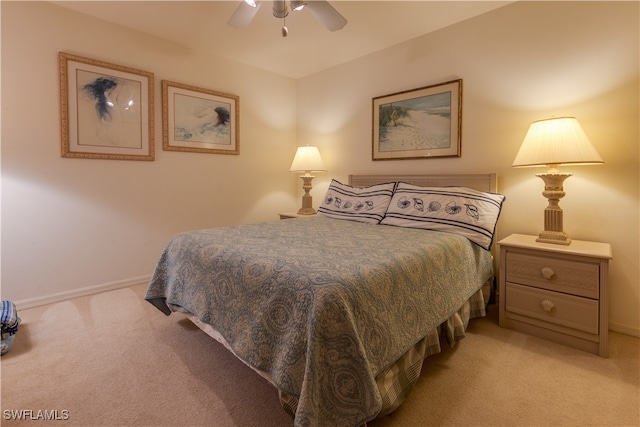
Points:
x=309, y=48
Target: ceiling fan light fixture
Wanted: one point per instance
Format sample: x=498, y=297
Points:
x=321, y=9
x=280, y=8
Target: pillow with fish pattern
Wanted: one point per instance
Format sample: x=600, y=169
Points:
x=471, y=213
x=363, y=204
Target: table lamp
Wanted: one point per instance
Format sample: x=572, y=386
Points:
x=554, y=142
x=307, y=160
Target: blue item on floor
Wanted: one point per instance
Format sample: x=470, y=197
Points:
x=10, y=321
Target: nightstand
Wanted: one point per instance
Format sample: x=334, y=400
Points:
x=294, y=214
x=556, y=292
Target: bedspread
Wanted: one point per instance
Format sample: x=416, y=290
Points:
x=321, y=305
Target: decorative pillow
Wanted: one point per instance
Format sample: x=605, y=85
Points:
x=363, y=204
x=460, y=210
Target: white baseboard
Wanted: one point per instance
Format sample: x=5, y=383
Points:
x=624, y=329
x=90, y=290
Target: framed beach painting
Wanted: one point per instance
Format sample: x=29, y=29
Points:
x=419, y=123
x=199, y=120
x=106, y=110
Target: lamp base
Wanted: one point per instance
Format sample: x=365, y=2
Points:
x=553, y=221
x=306, y=211
x=307, y=201
x=556, y=237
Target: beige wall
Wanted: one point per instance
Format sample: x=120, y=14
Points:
x=520, y=63
x=70, y=224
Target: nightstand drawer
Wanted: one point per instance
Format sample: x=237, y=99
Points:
x=571, y=277
x=561, y=309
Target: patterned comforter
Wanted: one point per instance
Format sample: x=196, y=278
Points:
x=319, y=304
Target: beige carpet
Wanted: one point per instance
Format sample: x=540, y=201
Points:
x=114, y=360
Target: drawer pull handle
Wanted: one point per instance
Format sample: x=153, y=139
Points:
x=547, y=272
x=547, y=305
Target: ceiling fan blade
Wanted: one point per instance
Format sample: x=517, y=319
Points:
x=243, y=15
x=327, y=14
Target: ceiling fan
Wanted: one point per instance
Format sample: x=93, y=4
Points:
x=321, y=9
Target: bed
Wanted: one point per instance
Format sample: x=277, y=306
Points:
x=338, y=310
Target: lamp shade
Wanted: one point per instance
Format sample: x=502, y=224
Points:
x=307, y=159
x=556, y=141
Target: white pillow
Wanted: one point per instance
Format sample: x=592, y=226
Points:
x=460, y=210
x=363, y=204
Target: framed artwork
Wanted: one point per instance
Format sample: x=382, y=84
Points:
x=418, y=123
x=106, y=110
x=199, y=120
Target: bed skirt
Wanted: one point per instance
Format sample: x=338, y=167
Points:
x=396, y=381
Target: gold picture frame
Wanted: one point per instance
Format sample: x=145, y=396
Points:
x=421, y=123
x=106, y=110
x=199, y=120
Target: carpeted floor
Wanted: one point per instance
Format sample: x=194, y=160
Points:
x=112, y=359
